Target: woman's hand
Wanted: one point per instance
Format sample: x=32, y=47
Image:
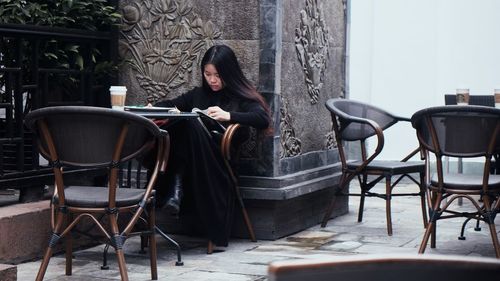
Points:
x=218, y=114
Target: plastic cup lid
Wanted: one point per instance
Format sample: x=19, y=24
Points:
x=118, y=88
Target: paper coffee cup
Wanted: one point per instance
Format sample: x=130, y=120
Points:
x=462, y=96
x=118, y=95
x=497, y=97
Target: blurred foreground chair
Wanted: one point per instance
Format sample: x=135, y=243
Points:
x=356, y=122
x=466, y=132
x=386, y=268
x=77, y=136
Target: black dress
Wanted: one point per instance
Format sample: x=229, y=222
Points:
x=208, y=189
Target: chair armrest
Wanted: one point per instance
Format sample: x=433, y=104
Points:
x=165, y=139
x=227, y=140
x=378, y=133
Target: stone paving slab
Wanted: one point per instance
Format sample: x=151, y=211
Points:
x=245, y=260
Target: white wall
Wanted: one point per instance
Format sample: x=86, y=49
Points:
x=404, y=55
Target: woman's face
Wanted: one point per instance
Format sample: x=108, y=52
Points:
x=212, y=77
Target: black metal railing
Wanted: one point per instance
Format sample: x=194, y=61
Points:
x=28, y=82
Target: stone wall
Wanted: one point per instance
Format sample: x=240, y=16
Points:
x=292, y=50
x=312, y=71
x=165, y=40
x=312, y=68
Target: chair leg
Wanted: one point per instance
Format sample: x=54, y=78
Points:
x=361, y=205
x=422, y=199
x=494, y=238
x=52, y=242
x=121, y=264
x=144, y=244
x=248, y=224
x=105, y=265
x=388, y=197
x=437, y=203
x=69, y=253
x=45, y=263
x=113, y=221
x=328, y=212
x=433, y=236
x=179, y=261
x=425, y=240
x=244, y=212
x=152, y=243
x=210, y=248
x=69, y=249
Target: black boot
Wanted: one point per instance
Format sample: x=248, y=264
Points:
x=173, y=203
x=161, y=191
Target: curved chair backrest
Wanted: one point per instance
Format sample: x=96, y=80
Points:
x=386, y=268
x=348, y=114
x=81, y=136
x=88, y=136
x=458, y=131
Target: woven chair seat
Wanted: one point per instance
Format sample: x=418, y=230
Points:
x=392, y=167
x=97, y=197
x=466, y=181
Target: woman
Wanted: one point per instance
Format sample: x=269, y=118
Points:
x=196, y=168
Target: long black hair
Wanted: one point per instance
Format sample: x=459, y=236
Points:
x=224, y=60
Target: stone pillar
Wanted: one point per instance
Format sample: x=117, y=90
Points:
x=293, y=51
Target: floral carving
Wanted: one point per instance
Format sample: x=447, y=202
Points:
x=290, y=145
x=162, y=41
x=248, y=149
x=311, y=45
x=331, y=143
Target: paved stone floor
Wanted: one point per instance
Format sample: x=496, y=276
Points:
x=244, y=260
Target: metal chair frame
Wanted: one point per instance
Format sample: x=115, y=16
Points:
x=350, y=127
x=227, y=144
x=120, y=201
x=446, y=188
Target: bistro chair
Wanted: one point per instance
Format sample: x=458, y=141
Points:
x=231, y=141
x=465, y=132
x=484, y=100
x=386, y=268
x=356, y=122
x=78, y=136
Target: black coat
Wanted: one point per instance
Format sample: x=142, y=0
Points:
x=208, y=188
x=244, y=111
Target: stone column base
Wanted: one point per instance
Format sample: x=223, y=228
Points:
x=277, y=206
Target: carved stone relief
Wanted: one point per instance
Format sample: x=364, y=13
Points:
x=248, y=149
x=290, y=145
x=163, y=40
x=311, y=45
x=330, y=140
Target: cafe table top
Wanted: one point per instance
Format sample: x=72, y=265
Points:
x=160, y=112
